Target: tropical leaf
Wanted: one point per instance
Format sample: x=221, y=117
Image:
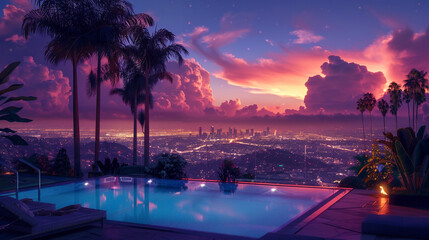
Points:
x=141, y=118
x=406, y=138
x=389, y=135
x=10, y=109
x=418, y=155
x=16, y=140
x=425, y=167
x=421, y=132
x=12, y=117
x=4, y=75
x=22, y=98
x=12, y=87
x=404, y=159
x=7, y=130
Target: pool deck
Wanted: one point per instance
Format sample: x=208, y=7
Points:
x=342, y=220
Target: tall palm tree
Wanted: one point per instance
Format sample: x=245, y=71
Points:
x=370, y=102
x=383, y=107
x=65, y=21
x=395, y=95
x=152, y=51
x=407, y=98
x=416, y=84
x=133, y=94
x=114, y=19
x=362, y=108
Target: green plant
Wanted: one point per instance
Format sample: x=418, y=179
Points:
x=169, y=166
x=411, y=156
x=10, y=113
x=109, y=167
x=352, y=182
x=376, y=168
x=228, y=172
x=62, y=164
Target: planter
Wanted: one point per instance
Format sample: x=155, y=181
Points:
x=410, y=200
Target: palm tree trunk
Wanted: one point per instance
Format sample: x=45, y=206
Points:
x=414, y=107
x=384, y=124
x=146, y=120
x=417, y=116
x=135, y=131
x=363, y=131
x=97, y=111
x=409, y=117
x=370, y=120
x=76, y=130
x=396, y=121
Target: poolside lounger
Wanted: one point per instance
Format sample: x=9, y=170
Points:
x=397, y=226
x=36, y=206
x=24, y=221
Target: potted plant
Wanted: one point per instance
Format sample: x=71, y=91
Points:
x=410, y=152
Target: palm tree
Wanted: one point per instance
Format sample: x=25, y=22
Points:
x=395, y=94
x=416, y=84
x=370, y=102
x=407, y=98
x=362, y=108
x=383, y=107
x=111, y=27
x=65, y=21
x=151, y=52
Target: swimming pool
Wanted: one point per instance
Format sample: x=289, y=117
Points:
x=237, y=209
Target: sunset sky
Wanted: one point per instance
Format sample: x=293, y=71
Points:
x=247, y=58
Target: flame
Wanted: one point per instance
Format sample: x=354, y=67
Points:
x=382, y=191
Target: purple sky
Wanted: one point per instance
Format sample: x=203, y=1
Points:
x=247, y=58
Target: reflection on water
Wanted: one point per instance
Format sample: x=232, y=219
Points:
x=237, y=209
x=228, y=188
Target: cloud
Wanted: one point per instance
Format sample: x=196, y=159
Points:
x=20, y=40
x=229, y=108
x=11, y=20
x=343, y=83
x=281, y=74
x=305, y=37
x=190, y=91
x=51, y=88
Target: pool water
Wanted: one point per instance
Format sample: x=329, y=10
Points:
x=237, y=209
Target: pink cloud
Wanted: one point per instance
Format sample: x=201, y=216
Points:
x=11, y=20
x=305, y=37
x=51, y=88
x=189, y=92
x=18, y=39
x=229, y=108
x=343, y=83
x=282, y=74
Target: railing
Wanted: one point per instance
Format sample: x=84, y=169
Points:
x=17, y=176
x=38, y=171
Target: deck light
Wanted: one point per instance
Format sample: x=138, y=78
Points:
x=149, y=181
x=86, y=183
x=273, y=189
x=202, y=185
x=382, y=191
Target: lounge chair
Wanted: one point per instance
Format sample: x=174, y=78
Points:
x=23, y=220
x=36, y=206
x=396, y=226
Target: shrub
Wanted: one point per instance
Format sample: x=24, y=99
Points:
x=352, y=182
x=62, y=164
x=169, y=166
x=228, y=172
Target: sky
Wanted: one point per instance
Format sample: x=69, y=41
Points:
x=248, y=59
